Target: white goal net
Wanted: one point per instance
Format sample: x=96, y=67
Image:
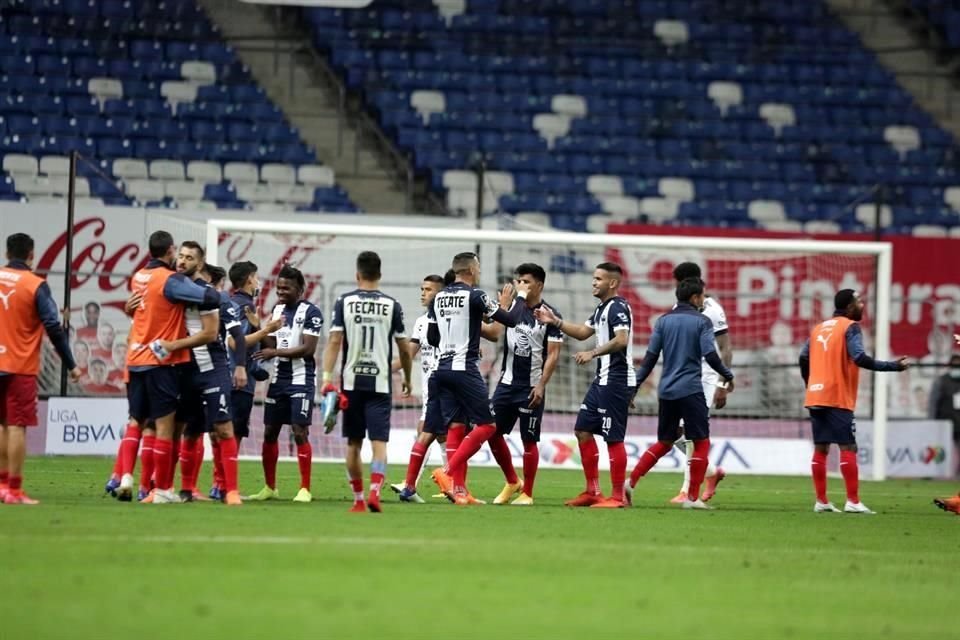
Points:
x=773, y=292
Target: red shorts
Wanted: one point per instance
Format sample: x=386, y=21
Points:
x=18, y=400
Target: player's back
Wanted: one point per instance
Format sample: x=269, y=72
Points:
x=686, y=337
x=21, y=332
x=370, y=320
x=155, y=318
x=459, y=311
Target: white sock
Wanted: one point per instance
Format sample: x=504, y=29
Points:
x=711, y=470
x=443, y=453
x=688, y=450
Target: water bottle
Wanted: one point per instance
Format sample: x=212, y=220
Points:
x=329, y=407
x=158, y=350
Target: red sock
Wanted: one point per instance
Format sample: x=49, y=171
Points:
x=818, y=469
x=4, y=477
x=376, y=482
x=228, y=462
x=187, y=464
x=698, y=466
x=504, y=457
x=647, y=459
x=162, y=456
x=357, y=485
x=147, y=458
x=417, y=455
x=128, y=449
x=270, y=453
x=531, y=460
x=851, y=475
x=455, y=435
x=198, y=450
x=305, y=461
x=470, y=445
x=15, y=483
x=215, y=446
x=618, y=468
x=590, y=460
x=174, y=456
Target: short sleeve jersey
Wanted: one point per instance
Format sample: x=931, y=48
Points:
x=370, y=322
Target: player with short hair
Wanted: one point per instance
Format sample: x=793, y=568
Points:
x=431, y=285
x=293, y=381
x=531, y=352
x=455, y=318
x=27, y=311
x=604, y=408
x=158, y=342
x=366, y=324
x=830, y=363
x=686, y=338
x=714, y=394
x=952, y=504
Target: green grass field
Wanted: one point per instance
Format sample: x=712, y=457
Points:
x=762, y=565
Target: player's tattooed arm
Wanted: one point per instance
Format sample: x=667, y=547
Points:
x=209, y=328
x=618, y=343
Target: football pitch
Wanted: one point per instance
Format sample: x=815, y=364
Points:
x=761, y=565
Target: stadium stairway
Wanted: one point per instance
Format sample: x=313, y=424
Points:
x=310, y=106
x=883, y=31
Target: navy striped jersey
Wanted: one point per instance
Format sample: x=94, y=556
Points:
x=242, y=300
x=295, y=374
x=458, y=311
x=608, y=318
x=525, y=348
x=213, y=355
x=370, y=322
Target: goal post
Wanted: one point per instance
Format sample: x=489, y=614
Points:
x=767, y=286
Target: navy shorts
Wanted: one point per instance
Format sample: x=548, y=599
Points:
x=153, y=393
x=367, y=416
x=510, y=404
x=208, y=396
x=242, y=408
x=833, y=426
x=456, y=396
x=293, y=408
x=603, y=411
x=692, y=410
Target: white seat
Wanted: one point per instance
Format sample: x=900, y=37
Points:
x=569, y=105
x=105, y=89
x=55, y=165
x=316, y=175
x=603, y=186
x=866, y=214
x=462, y=201
x=278, y=173
x=181, y=190
x=293, y=193
x=766, y=211
x=679, y=189
x=551, y=126
x=145, y=190
x=87, y=204
x=129, y=169
x=531, y=220
x=197, y=205
x=167, y=170
x=929, y=231
x=427, y=103
x=597, y=223
x=954, y=232
x=951, y=196
x=621, y=207
x=459, y=179
x=177, y=92
x=778, y=116
x=671, y=32
x=19, y=164
x=205, y=172
x=499, y=182
x=902, y=138
x=272, y=207
x=448, y=9
x=725, y=95
x=31, y=186
x=198, y=72
x=255, y=192
x=782, y=225
x=240, y=172
x=60, y=185
x=658, y=209
x=46, y=199
x=821, y=226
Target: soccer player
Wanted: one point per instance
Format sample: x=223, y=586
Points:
x=455, y=317
x=293, y=382
x=686, y=338
x=604, y=409
x=366, y=324
x=27, y=310
x=950, y=504
x=714, y=394
x=157, y=344
x=530, y=356
x=418, y=344
x=830, y=363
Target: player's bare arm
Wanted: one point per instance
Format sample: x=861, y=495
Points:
x=726, y=355
x=330, y=353
x=618, y=343
x=134, y=301
x=260, y=334
x=209, y=328
x=413, y=348
x=406, y=363
x=549, y=366
x=575, y=331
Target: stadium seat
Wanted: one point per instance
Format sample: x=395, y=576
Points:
x=198, y=72
x=315, y=175
x=278, y=173
x=241, y=172
x=167, y=170
x=17, y=164
x=427, y=103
